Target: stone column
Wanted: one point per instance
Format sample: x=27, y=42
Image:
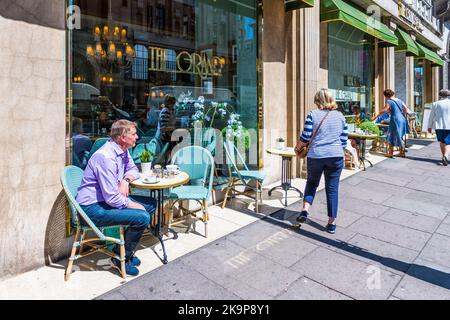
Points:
x=275, y=76
x=309, y=36
x=435, y=83
x=409, y=100
x=32, y=118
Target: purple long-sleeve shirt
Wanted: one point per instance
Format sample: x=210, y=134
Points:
x=103, y=174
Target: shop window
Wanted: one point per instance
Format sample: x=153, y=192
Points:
x=123, y=68
x=351, y=69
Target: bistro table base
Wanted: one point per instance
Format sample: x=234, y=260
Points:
x=158, y=231
x=285, y=179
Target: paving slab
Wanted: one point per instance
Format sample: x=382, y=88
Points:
x=430, y=272
x=437, y=250
x=372, y=196
x=349, y=203
x=250, y=269
x=411, y=288
x=411, y=220
x=444, y=229
x=284, y=248
x=254, y=233
x=386, y=178
x=177, y=282
x=417, y=206
x=391, y=233
x=346, y=275
x=307, y=289
x=376, y=252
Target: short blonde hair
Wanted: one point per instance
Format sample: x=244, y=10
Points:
x=121, y=127
x=324, y=100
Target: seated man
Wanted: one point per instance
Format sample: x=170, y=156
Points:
x=103, y=193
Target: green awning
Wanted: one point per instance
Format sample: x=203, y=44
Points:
x=297, y=4
x=430, y=55
x=406, y=43
x=338, y=10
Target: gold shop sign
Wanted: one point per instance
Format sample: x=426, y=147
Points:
x=202, y=64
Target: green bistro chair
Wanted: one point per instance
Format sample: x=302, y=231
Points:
x=156, y=148
x=241, y=178
x=71, y=179
x=97, y=145
x=198, y=163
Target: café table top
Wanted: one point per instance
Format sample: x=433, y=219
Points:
x=163, y=183
x=362, y=135
x=286, y=152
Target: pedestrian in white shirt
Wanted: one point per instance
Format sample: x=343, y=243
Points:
x=439, y=120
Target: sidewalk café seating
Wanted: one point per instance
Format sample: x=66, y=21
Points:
x=97, y=145
x=156, y=148
x=198, y=163
x=241, y=178
x=71, y=179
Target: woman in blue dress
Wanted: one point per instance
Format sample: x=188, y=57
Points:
x=398, y=125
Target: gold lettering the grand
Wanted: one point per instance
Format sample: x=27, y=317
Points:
x=189, y=63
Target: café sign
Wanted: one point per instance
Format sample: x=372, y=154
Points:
x=202, y=64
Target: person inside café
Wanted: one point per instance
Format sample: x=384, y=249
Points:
x=166, y=122
x=104, y=192
x=80, y=143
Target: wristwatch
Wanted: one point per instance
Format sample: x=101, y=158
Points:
x=127, y=180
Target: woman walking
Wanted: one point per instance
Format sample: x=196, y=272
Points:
x=325, y=154
x=398, y=125
x=440, y=121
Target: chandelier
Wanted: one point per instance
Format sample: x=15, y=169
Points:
x=111, y=50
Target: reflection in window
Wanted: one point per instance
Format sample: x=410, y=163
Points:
x=198, y=51
x=140, y=63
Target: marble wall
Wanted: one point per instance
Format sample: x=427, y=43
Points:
x=32, y=118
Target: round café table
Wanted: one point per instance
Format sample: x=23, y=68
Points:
x=286, y=155
x=362, y=146
x=156, y=191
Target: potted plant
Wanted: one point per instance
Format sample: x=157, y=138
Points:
x=351, y=124
x=146, y=161
x=368, y=127
x=280, y=143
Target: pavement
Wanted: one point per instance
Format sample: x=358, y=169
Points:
x=392, y=242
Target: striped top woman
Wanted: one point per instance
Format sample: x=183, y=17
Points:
x=325, y=155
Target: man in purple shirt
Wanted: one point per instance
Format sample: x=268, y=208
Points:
x=103, y=193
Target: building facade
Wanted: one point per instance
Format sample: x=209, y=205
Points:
x=248, y=69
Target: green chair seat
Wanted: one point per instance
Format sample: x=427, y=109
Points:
x=190, y=192
x=250, y=174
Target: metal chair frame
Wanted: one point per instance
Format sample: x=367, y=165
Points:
x=239, y=181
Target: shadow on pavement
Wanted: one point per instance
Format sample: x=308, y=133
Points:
x=436, y=162
x=286, y=219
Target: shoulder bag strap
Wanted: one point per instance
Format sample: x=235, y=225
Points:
x=400, y=107
x=317, y=129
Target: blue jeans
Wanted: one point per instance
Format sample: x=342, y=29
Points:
x=331, y=168
x=103, y=215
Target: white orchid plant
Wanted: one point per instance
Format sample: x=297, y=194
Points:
x=206, y=115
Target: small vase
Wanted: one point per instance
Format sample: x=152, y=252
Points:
x=280, y=145
x=146, y=167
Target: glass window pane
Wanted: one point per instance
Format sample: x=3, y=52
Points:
x=128, y=56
